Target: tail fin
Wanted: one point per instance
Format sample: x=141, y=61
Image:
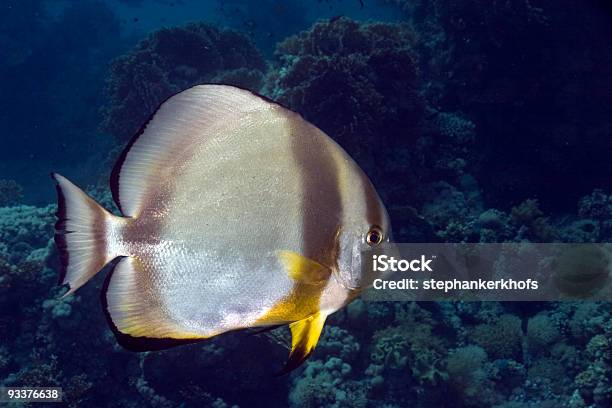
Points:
x=83, y=234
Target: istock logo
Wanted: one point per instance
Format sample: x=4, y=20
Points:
x=385, y=263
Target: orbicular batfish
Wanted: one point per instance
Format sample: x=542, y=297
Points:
x=236, y=213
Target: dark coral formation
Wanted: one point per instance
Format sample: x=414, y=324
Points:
x=11, y=193
x=371, y=354
x=171, y=60
x=539, y=68
x=361, y=84
x=358, y=82
x=483, y=359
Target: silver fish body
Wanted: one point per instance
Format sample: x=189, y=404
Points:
x=237, y=213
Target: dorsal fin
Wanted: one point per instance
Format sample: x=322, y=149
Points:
x=181, y=124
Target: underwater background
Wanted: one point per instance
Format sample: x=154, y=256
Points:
x=477, y=120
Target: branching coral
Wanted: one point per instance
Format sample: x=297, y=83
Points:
x=45, y=371
x=589, y=319
x=24, y=228
x=535, y=226
x=595, y=225
x=595, y=383
x=76, y=391
x=24, y=238
x=465, y=366
x=447, y=142
x=171, y=60
x=451, y=212
x=150, y=396
x=327, y=384
x=597, y=205
x=500, y=339
x=338, y=342
x=410, y=349
x=541, y=332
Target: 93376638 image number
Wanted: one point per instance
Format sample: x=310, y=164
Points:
x=31, y=394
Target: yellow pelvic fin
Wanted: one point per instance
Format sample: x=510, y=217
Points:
x=305, y=334
x=303, y=269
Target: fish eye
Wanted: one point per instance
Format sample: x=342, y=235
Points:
x=374, y=236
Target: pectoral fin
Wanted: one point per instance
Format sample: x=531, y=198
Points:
x=303, y=269
x=304, y=337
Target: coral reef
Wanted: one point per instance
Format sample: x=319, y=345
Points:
x=24, y=229
x=457, y=213
x=11, y=193
x=541, y=332
x=373, y=354
x=500, y=339
x=327, y=384
x=358, y=82
x=522, y=63
x=420, y=109
x=361, y=84
x=171, y=60
x=466, y=373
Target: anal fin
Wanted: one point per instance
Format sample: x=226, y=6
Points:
x=305, y=335
x=136, y=315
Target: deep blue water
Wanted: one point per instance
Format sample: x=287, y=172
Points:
x=55, y=63
x=477, y=121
